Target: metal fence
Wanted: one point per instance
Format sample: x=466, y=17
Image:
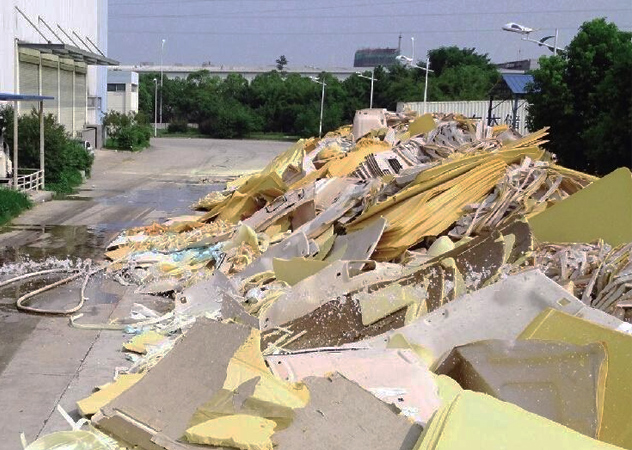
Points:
x=27, y=180
x=502, y=111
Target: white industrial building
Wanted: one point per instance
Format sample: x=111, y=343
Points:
x=58, y=49
x=249, y=72
x=122, y=91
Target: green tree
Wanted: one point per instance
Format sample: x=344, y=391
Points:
x=585, y=96
x=281, y=62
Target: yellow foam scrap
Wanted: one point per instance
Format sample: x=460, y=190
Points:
x=475, y=421
x=379, y=304
x=138, y=343
x=345, y=164
x=422, y=125
x=244, y=235
x=296, y=269
x=602, y=210
x=400, y=341
x=248, y=363
x=292, y=157
x=431, y=212
x=447, y=388
x=92, y=404
x=119, y=253
x=240, y=431
x=555, y=325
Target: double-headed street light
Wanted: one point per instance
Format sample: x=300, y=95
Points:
x=373, y=79
x=322, y=103
x=409, y=62
x=526, y=31
x=162, y=47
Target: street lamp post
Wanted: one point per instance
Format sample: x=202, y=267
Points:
x=410, y=63
x=155, y=107
x=322, y=104
x=526, y=31
x=162, y=47
x=373, y=79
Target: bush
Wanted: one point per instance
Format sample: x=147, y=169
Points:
x=65, y=157
x=232, y=120
x=12, y=203
x=178, y=126
x=126, y=131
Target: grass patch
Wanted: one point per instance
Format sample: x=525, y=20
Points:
x=190, y=133
x=12, y=203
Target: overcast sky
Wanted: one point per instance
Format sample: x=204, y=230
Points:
x=327, y=33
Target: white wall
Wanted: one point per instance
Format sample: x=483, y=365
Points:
x=501, y=112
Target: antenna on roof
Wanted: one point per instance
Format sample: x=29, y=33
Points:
x=399, y=44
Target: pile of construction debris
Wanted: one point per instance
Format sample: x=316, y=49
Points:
x=405, y=283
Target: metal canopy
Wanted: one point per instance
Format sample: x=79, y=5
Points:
x=70, y=51
x=6, y=97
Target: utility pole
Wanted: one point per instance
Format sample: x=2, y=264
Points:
x=162, y=46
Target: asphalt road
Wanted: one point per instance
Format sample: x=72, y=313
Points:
x=43, y=361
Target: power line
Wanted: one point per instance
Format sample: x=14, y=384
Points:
x=363, y=16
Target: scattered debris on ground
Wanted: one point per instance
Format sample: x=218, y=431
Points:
x=406, y=282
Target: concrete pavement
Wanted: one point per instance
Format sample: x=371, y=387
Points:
x=44, y=362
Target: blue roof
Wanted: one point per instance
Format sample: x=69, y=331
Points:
x=5, y=97
x=517, y=82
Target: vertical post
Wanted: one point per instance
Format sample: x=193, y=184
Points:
x=412, y=41
x=555, y=43
x=155, y=107
x=162, y=46
x=322, y=105
x=15, y=145
x=489, y=110
x=514, y=122
x=16, y=89
x=372, y=80
x=41, y=123
x=426, y=85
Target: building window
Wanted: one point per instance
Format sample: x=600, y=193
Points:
x=116, y=87
x=134, y=88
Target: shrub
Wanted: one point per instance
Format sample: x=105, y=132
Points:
x=12, y=203
x=126, y=131
x=65, y=157
x=178, y=126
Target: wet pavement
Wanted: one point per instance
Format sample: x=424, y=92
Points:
x=45, y=362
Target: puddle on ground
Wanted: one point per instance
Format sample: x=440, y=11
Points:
x=58, y=241
x=174, y=198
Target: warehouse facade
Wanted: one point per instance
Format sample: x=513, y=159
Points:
x=57, y=49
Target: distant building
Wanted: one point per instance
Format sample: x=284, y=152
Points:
x=520, y=66
x=54, y=49
x=248, y=72
x=122, y=91
x=373, y=57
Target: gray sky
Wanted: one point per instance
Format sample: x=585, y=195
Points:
x=327, y=33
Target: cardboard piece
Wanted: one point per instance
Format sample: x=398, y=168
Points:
x=602, y=210
x=555, y=325
x=154, y=413
x=394, y=376
x=560, y=381
x=342, y=415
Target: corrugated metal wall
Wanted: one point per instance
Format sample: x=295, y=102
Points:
x=502, y=111
x=80, y=100
x=29, y=84
x=50, y=83
x=66, y=99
